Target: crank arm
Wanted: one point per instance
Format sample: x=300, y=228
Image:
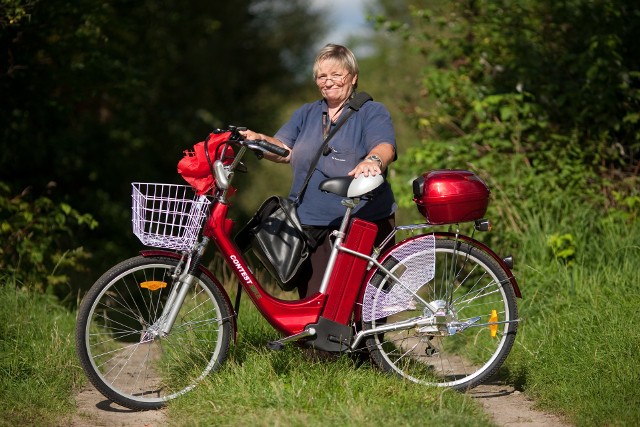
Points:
x=279, y=344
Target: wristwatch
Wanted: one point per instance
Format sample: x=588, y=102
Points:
x=375, y=158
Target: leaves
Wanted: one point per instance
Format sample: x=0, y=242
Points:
x=539, y=98
x=96, y=95
x=563, y=247
x=33, y=234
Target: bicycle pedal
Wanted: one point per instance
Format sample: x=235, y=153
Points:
x=275, y=345
x=279, y=344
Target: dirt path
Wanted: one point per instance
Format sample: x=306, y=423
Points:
x=507, y=407
x=95, y=410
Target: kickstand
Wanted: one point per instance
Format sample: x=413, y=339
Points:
x=238, y=295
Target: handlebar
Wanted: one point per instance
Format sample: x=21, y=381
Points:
x=256, y=144
x=223, y=167
x=272, y=148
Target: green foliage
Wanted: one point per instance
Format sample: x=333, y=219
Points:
x=574, y=351
x=38, y=369
x=563, y=247
x=34, y=233
x=14, y=11
x=538, y=98
x=96, y=95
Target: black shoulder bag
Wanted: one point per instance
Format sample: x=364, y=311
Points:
x=275, y=233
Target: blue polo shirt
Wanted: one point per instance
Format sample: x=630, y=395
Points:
x=364, y=130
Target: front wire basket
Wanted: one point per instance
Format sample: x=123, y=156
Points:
x=167, y=215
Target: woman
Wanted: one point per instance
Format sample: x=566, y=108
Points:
x=365, y=144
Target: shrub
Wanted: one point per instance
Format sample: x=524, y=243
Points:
x=36, y=238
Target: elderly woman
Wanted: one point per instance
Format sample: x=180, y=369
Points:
x=365, y=144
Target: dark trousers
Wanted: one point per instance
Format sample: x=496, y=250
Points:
x=309, y=278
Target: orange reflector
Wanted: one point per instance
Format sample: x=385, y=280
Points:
x=493, y=328
x=153, y=285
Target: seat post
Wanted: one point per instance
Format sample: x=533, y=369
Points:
x=339, y=238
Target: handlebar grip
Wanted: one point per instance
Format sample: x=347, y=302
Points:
x=272, y=148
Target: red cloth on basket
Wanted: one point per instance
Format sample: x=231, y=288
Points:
x=194, y=167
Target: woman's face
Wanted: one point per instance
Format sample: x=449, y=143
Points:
x=334, y=81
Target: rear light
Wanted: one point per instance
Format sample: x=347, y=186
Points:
x=483, y=225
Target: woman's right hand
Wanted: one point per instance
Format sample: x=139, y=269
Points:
x=252, y=136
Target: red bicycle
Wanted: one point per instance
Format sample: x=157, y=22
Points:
x=437, y=308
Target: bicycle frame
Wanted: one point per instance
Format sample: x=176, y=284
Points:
x=328, y=314
x=291, y=317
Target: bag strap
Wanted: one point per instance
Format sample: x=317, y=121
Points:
x=354, y=105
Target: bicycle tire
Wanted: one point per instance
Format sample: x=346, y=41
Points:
x=468, y=284
x=123, y=360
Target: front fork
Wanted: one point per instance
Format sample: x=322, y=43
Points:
x=183, y=283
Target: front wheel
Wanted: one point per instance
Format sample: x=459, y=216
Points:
x=469, y=334
x=118, y=340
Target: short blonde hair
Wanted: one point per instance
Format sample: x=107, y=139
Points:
x=341, y=55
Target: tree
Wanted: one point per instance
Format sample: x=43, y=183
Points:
x=96, y=95
x=538, y=97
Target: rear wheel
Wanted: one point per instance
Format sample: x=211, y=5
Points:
x=474, y=325
x=117, y=338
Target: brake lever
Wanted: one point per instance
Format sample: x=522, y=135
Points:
x=235, y=132
x=255, y=149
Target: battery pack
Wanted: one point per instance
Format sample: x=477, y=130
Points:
x=349, y=271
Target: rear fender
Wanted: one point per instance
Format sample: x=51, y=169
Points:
x=203, y=269
x=473, y=242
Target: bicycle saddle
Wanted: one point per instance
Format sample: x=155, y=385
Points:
x=348, y=186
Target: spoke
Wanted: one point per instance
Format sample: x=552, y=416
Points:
x=127, y=287
x=480, y=294
x=131, y=349
x=112, y=339
x=403, y=355
x=200, y=324
x=199, y=305
x=112, y=322
x=125, y=313
x=105, y=353
x=463, y=281
x=139, y=373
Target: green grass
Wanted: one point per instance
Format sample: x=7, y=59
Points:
x=38, y=367
x=292, y=388
x=576, y=352
x=577, y=349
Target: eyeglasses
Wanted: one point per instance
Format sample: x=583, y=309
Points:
x=337, y=79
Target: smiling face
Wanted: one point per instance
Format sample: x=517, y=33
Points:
x=335, y=82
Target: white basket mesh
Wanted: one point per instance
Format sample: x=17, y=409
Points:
x=167, y=215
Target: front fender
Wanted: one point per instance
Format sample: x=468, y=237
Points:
x=209, y=274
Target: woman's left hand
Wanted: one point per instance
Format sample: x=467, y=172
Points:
x=366, y=167
x=376, y=161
